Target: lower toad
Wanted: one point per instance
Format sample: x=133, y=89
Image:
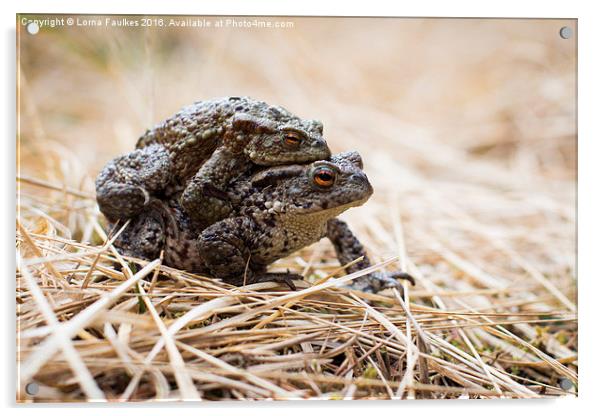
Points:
x=278, y=211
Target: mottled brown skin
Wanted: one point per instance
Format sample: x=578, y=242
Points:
x=202, y=149
x=125, y=184
x=277, y=212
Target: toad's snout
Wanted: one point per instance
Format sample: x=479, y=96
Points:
x=320, y=147
x=360, y=179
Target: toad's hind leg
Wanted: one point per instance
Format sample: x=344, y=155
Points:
x=226, y=249
x=125, y=185
x=223, y=250
x=348, y=248
x=144, y=237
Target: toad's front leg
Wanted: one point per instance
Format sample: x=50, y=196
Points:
x=226, y=249
x=205, y=199
x=348, y=248
x=125, y=185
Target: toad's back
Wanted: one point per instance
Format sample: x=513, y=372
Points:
x=193, y=133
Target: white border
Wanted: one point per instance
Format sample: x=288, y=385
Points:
x=590, y=202
x=458, y=8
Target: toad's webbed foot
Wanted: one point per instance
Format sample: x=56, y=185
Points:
x=286, y=278
x=349, y=249
x=377, y=281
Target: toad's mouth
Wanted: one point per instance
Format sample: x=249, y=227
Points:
x=333, y=211
x=289, y=158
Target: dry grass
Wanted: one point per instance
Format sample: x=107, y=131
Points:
x=469, y=141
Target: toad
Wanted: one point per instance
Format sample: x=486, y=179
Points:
x=202, y=149
x=277, y=211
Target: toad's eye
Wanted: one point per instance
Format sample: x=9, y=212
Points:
x=324, y=177
x=292, y=139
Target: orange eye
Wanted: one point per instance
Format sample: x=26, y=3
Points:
x=324, y=177
x=292, y=139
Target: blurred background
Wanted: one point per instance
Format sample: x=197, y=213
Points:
x=467, y=127
x=501, y=90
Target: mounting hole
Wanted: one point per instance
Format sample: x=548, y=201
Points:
x=566, y=32
x=565, y=384
x=32, y=388
x=33, y=28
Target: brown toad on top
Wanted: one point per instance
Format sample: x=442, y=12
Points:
x=201, y=149
x=276, y=212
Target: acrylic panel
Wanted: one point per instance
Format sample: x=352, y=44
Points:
x=272, y=208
